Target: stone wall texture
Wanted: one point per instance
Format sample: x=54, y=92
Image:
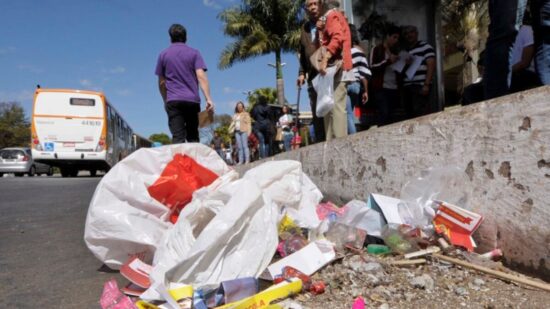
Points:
x=503, y=146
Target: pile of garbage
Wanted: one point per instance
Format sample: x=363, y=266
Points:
x=188, y=232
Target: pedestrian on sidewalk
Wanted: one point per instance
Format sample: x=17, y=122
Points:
x=506, y=18
x=242, y=126
x=181, y=70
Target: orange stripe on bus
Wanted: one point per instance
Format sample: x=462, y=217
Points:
x=67, y=116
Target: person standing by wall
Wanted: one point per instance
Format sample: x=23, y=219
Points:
x=309, y=38
x=242, y=124
x=358, y=89
x=384, y=78
x=416, y=92
x=181, y=70
x=336, y=38
x=506, y=18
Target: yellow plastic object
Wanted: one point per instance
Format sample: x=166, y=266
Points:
x=264, y=298
x=183, y=295
x=145, y=305
x=286, y=225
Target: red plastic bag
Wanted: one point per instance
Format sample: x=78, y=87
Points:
x=179, y=179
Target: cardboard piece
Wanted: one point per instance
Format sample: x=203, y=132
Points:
x=457, y=224
x=137, y=272
x=387, y=206
x=308, y=260
x=133, y=289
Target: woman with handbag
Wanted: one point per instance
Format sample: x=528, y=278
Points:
x=240, y=125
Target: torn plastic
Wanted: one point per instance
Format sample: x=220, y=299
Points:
x=229, y=229
x=449, y=184
x=359, y=215
x=123, y=219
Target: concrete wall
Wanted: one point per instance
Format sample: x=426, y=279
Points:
x=503, y=146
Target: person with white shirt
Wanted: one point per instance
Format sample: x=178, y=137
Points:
x=523, y=68
x=285, y=123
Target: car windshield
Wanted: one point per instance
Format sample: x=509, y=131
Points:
x=11, y=153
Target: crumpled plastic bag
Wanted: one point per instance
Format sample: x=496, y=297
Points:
x=229, y=230
x=360, y=216
x=324, y=86
x=123, y=219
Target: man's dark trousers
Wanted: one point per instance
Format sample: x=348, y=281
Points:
x=183, y=121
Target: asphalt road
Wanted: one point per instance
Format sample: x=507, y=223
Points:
x=44, y=262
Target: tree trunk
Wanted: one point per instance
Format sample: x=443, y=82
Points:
x=279, y=77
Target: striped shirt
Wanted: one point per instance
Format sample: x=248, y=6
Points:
x=426, y=51
x=360, y=65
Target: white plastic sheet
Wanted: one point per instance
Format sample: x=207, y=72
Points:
x=324, y=86
x=229, y=230
x=359, y=215
x=123, y=219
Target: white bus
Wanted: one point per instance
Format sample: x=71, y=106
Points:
x=78, y=130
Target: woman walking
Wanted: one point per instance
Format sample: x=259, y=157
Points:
x=242, y=128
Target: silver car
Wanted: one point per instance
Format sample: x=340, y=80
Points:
x=19, y=162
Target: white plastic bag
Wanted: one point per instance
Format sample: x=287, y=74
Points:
x=359, y=215
x=229, y=230
x=324, y=86
x=123, y=219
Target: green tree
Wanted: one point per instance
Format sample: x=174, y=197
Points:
x=222, y=123
x=262, y=27
x=14, y=125
x=222, y=120
x=162, y=138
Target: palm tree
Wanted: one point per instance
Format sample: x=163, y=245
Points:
x=267, y=93
x=261, y=27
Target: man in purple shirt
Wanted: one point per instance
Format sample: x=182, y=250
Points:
x=181, y=70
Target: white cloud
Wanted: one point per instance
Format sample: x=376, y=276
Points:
x=211, y=4
x=123, y=92
x=30, y=68
x=7, y=50
x=85, y=82
x=117, y=70
x=228, y=90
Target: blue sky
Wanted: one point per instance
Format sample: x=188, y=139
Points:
x=112, y=46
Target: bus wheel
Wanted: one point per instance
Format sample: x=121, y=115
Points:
x=93, y=173
x=32, y=171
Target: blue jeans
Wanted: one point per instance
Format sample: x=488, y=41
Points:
x=264, y=147
x=355, y=93
x=287, y=139
x=506, y=19
x=242, y=146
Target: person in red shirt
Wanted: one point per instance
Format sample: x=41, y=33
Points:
x=335, y=35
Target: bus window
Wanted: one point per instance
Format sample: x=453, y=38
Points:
x=82, y=102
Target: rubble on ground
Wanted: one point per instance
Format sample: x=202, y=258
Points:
x=436, y=284
x=187, y=232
